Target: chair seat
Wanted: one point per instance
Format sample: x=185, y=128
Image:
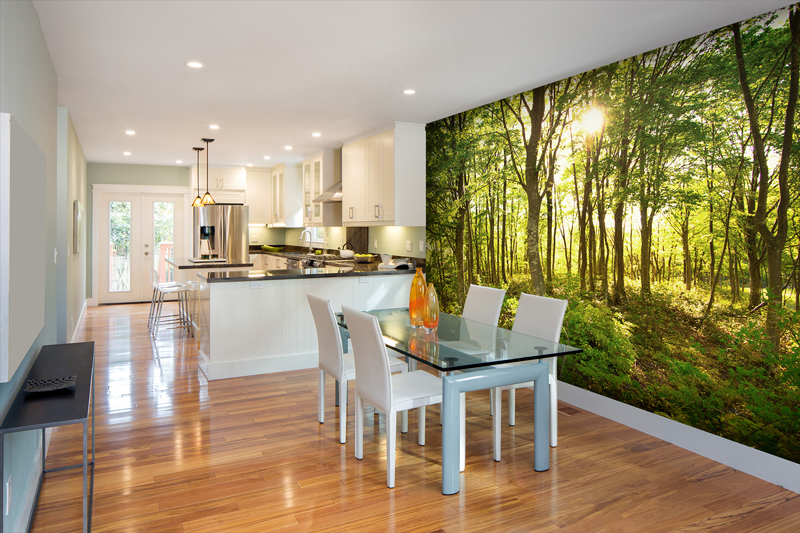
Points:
x=415, y=389
x=172, y=289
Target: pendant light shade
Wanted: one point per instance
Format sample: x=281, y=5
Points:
x=198, y=201
x=207, y=198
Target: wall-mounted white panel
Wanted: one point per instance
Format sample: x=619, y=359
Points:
x=23, y=178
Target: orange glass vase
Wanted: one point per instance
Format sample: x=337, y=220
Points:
x=430, y=312
x=416, y=300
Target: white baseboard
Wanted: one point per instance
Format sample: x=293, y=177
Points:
x=80, y=321
x=762, y=465
x=252, y=367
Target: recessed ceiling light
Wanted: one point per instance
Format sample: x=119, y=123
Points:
x=194, y=64
x=409, y=91
x=249, y=164
x=130, y=132
x=126, y=153
x=214, y=127
x=266, y=157
x=316, y=134
x=287, y=147
x=178, y=161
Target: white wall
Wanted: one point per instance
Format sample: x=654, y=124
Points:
x=29, y=92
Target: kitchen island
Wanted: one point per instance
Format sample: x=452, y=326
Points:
x=258, y=321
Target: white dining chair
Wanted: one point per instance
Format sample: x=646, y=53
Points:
x=542, y=317
x=386, y=392
x=341, y=366
x=483, y=304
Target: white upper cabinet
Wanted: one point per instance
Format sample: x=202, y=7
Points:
x=287, y=196
x=383, y=178
x=232, y=179
x=258, y=195
x=319, y=174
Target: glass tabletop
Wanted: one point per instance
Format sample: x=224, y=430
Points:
x=459, y=343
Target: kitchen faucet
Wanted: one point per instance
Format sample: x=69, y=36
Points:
x=310, y=249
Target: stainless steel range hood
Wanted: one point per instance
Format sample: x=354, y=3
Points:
x=331, y=194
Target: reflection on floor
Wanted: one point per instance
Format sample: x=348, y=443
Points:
x=176, y=453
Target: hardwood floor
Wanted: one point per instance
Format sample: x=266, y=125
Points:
x=177, y=453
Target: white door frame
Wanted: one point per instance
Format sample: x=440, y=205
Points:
x=98, y=188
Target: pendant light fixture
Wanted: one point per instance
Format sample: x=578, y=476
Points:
x=198, y=201
x=207, y=198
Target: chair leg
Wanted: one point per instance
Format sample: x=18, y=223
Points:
x=321, y=397
x=462, y=418
x=343, y=412
x=512, y=407
x=391, y=445
x=421, y=426
x=359, y=427
x=497, y=421
x=553, y=404
x=404, y=421
x=152, y=305
x=159, y=305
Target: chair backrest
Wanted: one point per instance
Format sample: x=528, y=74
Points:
x=483, y=304
x=540, y=316
x=328, y=339
x=373, y=378
x=151, y=272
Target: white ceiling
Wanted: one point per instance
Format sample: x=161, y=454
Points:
x=276, y=71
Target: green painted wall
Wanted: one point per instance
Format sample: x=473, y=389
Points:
x=29, y=92
x=111, y=173
x=392, y=240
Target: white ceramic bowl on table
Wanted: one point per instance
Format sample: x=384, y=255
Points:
x=346, y=254
x=385, y=258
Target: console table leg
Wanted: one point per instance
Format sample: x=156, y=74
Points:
x=85, y=479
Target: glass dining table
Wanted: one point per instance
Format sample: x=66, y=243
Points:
x=481, y=353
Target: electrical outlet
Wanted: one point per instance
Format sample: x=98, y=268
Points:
x=363, y=279
x=256, y=284
x=421, y=246
x=8, y=496
x=408, y=246
x=254, y=239
x=375, y=243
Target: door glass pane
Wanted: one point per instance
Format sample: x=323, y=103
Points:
x=119, y=276
x=163, y=219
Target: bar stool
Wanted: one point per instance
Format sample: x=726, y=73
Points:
x=161, y=289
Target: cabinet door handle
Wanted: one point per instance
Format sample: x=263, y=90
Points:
x=380, y=211
x=223, y=183
x=351, y=213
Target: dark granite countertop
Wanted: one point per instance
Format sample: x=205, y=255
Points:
x=182, y=263
x=298, y=273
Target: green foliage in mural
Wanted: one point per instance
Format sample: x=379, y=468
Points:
x=659, y=195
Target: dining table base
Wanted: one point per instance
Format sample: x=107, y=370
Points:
x=488, y=378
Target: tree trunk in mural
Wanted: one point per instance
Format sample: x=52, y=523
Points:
x=775, y=242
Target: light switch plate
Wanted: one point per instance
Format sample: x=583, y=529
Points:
x=421, y=246
x=363, y=279
x=375, y=243
x=408, y=246
x=254, y=239
x=256, y=284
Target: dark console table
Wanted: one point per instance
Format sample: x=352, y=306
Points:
x=42, y=410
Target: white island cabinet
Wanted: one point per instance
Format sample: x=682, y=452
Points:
x=253, y=322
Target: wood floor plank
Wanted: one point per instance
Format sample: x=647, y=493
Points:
x=177, y=453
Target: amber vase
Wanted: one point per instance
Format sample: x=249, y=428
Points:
x=416, y=300
x=430, y=311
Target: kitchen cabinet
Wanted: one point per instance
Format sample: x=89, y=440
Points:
x=273, y=262
x=320, y=173
x=258, y=195
x=383, y=178
x=226, y=185
x=287, y=196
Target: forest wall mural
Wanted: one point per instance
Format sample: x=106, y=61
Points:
x=659, y=195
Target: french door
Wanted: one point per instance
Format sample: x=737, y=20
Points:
x=137, y=231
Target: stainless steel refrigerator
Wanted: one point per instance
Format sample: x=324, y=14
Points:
x=225, y=228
